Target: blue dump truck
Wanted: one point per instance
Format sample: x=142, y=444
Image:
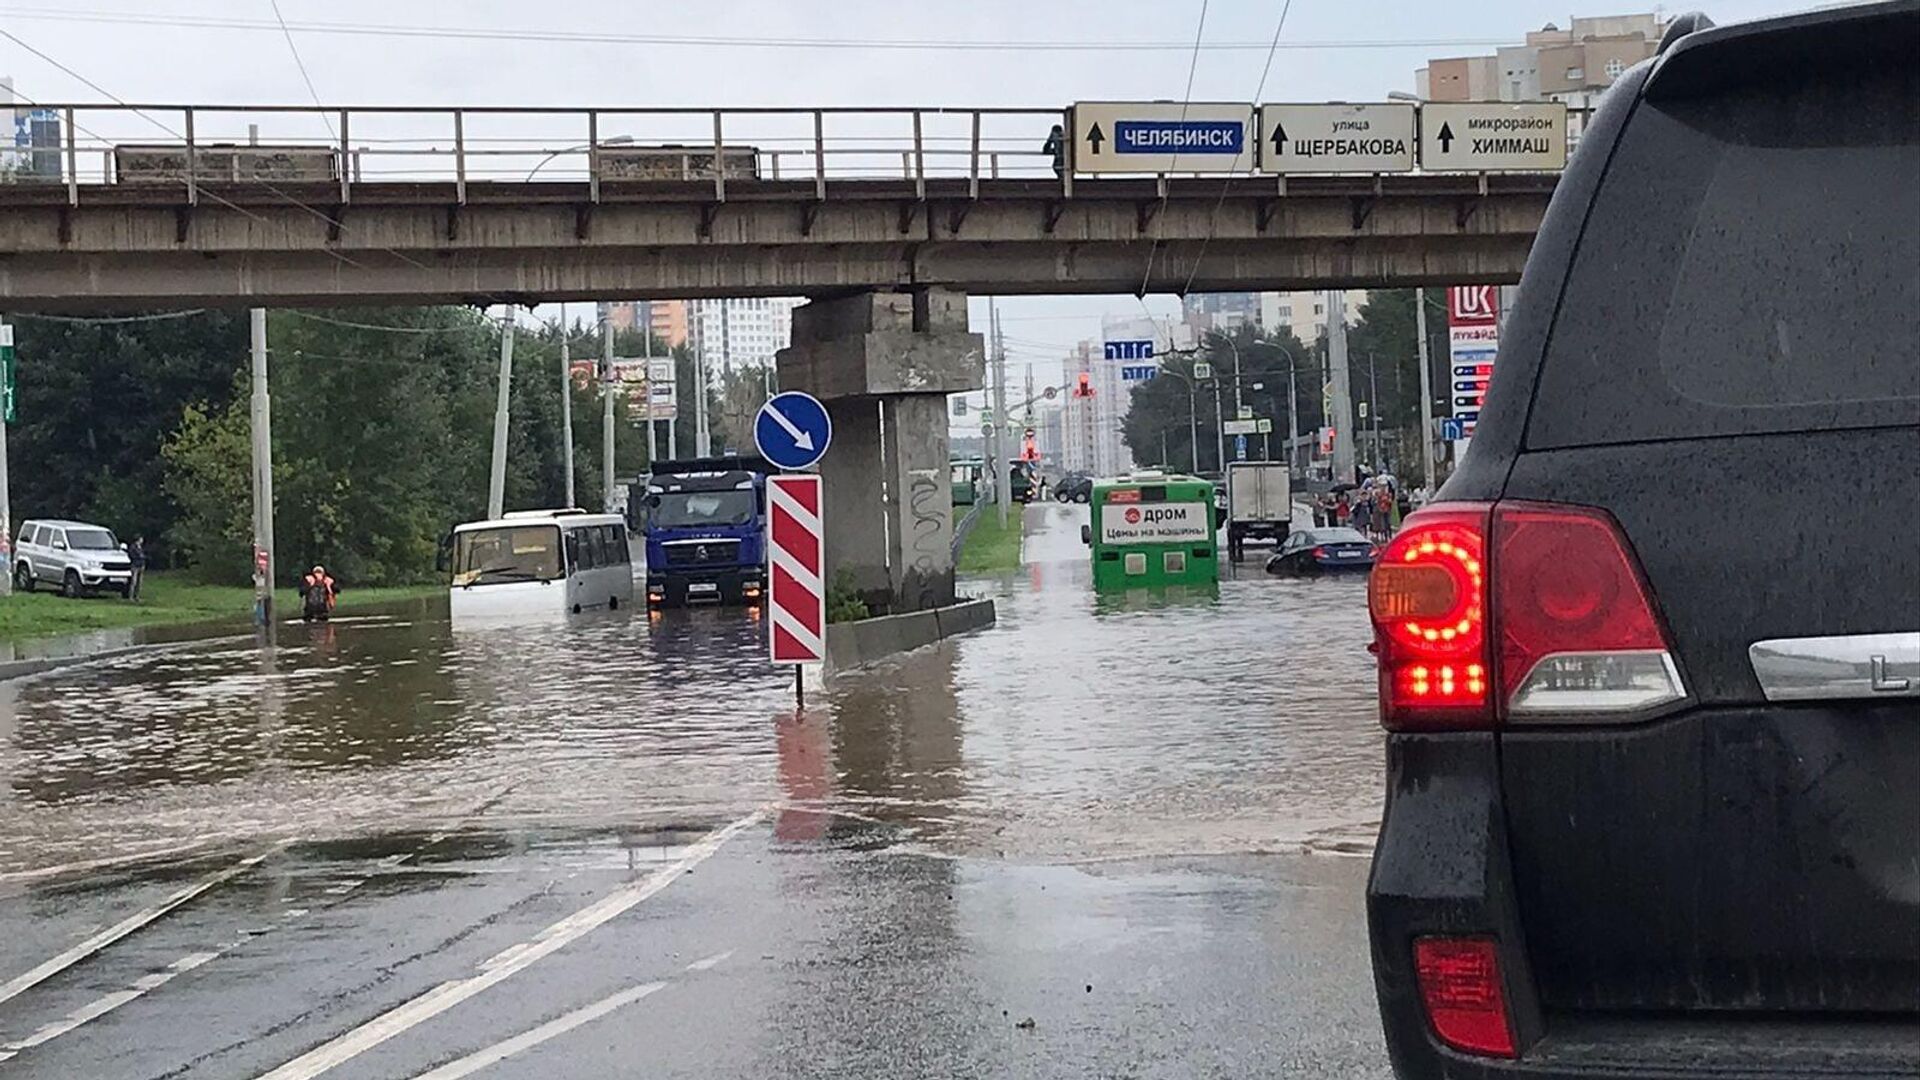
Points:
x=705, y=524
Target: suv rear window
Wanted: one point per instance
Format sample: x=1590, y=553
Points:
x=1751, y=264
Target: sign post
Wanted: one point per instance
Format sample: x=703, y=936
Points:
x=1473, y=332
x=1493, y=136
x=1296, y=139
x=796, y=576
x=1161, y=137
x=793, y=432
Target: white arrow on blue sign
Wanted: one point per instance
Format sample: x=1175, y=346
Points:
x=793, y=430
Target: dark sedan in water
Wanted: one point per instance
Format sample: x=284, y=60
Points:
x=1330, y=550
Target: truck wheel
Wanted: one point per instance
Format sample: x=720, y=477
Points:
x=70, y=586
x=23, y=578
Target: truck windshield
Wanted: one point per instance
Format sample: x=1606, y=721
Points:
x=506, y=554
x=697, y=509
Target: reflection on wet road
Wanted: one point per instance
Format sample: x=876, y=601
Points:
x=1082, y=727
x=1058, y=819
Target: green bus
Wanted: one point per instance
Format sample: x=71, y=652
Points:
x=965, y=479
x=1152, y=529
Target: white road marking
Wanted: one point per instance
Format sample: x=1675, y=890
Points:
x=503, y=966
x=558, y=1026
x=21, y=983
x=100, y=1007
x=552, y=1029
x=710, y=962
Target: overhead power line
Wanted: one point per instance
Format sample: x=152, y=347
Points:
x=524, y=34
x=302, y=65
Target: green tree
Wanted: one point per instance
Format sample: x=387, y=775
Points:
x=1159, y=412
x=209, y=478
x=96, y=401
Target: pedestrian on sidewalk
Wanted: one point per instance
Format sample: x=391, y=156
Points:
x=137, y=558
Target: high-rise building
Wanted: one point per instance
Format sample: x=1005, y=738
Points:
x=35, y=147
x=1202, y=312
x=668, y=318
x=1304, y=312
x=1575, y=65
x=740, y=332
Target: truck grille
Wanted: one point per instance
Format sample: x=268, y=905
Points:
x=692, y=554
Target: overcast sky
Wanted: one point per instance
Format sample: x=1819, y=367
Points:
x=1330, y=50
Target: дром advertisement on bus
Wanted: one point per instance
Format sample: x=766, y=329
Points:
x=1155, y=523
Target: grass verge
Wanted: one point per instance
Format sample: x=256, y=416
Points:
x=990, y=548
x=165, y=599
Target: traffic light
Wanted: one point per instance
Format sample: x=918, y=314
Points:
x=1083, y=386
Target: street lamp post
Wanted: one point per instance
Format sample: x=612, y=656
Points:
x=612, y=140
x=1426, y=365
x=1193, y=420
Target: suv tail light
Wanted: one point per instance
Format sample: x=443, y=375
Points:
x=1577, y=628
x=1461, y=990
x=1521, y=610
x=1427, y=597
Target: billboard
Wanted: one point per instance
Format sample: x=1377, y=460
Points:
x=1473, y=333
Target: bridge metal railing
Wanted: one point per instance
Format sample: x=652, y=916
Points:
x=191, y=146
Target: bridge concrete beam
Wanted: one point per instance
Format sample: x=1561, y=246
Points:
x=106, y=284
x=123, y=249
x=883, y=363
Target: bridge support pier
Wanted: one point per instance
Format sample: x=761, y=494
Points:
x=883, y=363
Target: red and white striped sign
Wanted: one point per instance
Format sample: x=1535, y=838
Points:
x=796, y=570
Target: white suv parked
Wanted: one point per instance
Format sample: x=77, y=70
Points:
x=73, y=555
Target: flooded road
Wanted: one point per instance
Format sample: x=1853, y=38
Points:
x=1081, y=727
x=1110, y=836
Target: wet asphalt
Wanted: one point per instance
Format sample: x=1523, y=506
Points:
x=1111, y=837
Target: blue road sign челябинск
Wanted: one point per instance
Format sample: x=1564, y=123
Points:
x=792, y=430
x=1179, y=137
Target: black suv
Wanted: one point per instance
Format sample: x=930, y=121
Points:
x=1650, y=665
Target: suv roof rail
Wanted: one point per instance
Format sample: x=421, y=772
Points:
x=1681, y=26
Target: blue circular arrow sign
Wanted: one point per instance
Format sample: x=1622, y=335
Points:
x=793, y=430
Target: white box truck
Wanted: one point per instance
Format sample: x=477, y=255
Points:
x=1259, y=504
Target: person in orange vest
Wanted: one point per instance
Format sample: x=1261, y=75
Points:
x=317, y=593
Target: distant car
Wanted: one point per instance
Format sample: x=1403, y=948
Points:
x=73, y=556
x=1074, y=487
x=1331, y=550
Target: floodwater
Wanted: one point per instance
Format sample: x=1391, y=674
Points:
x=1080, y=728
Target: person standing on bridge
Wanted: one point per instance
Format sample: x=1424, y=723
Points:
x=1056, y=147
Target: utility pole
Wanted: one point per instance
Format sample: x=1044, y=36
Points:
x=702, y=437
x=262, y=422
x=646, y=349
x=6, y=504
x=1002, y=461
x=1293, y=421
x=1426, y=388
x=1219, y=431
x=606, y=407
x=497, y=480
x=1342, y=389
x=566, y=402
x=1373, y=406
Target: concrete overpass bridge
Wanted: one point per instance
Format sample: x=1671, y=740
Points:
x=144, y=206
x=885, y=218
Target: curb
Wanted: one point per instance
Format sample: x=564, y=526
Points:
x=855, y=644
